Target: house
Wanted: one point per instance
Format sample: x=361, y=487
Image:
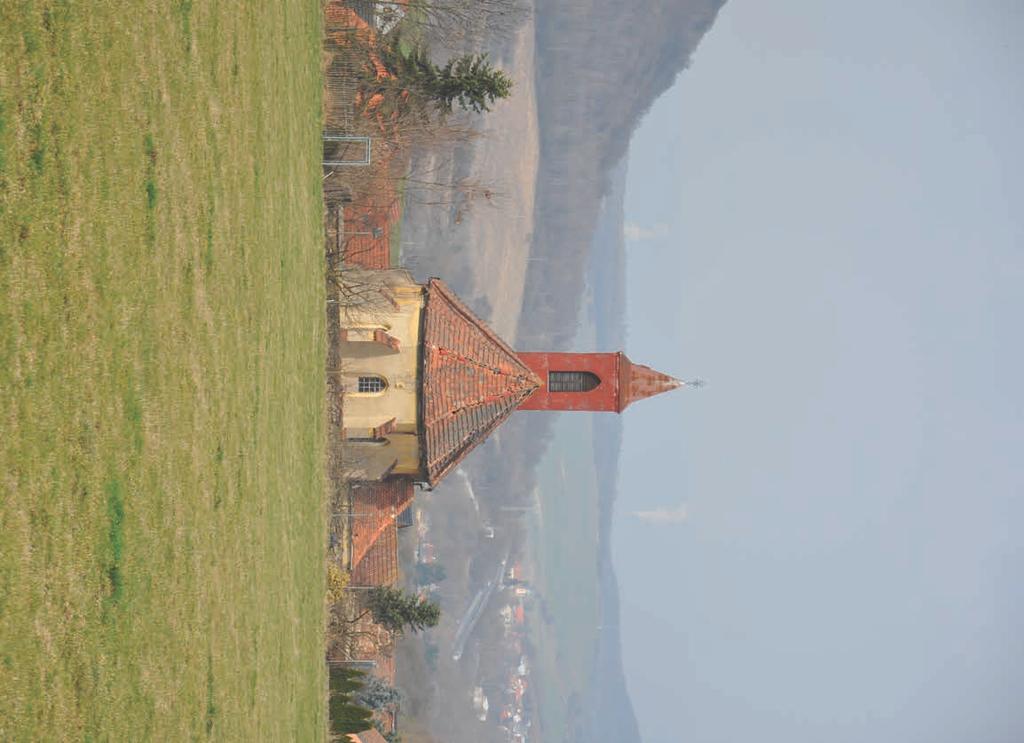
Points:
x=367, y=736
x=519, y=615
x=376, y=510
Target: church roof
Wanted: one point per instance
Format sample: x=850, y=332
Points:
x=471, y=382
x=637, y=381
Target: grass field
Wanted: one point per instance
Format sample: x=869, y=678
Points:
x=162, y=355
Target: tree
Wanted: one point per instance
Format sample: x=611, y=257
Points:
x=346, y=715
x=364, y=296
x=376, y=694
x=469, y=80
x=390, y=737
x=397, y=611
x=454, y=22
x=345, y=680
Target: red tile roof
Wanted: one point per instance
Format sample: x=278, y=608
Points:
x=375, y=507
x=379, y=566
x=472, y=381
x=385, y=669
x=367, y=736
x=368, y=226
x=340, y=20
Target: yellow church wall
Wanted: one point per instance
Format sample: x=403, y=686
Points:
x=397, y=454
x=398, y=316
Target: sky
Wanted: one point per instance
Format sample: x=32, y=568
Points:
x=825, y=222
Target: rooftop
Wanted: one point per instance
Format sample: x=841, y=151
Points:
x=367, y=736
x=375, y=509
x=379, y=566
x=471, y=382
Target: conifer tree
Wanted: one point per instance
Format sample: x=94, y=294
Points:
x=398, y=611
x=469, y=80
x=376, y=694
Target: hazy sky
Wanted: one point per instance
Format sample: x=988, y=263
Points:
x=826, y=223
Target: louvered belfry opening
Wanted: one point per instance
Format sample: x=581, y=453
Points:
x=572, y=381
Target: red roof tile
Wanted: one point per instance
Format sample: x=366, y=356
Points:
x=375, y=507
x=472, y=381
x=368, y=226
x=385, y=669
x=379, y=566
x=367, y=736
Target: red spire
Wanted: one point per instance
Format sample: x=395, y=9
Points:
x=637, y=381
x=606, y=381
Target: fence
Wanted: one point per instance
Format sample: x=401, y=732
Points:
x=341, y=89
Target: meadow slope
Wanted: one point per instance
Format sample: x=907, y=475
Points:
x=162, y=351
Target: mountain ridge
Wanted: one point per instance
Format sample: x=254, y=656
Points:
x=587, y=114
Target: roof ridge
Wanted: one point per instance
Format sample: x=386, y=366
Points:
x=472, y=380
x=453, y=299
x=473, y=362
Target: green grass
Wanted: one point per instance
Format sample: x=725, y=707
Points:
x=161, y=372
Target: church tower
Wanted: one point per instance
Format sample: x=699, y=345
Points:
x=426, y=381
x=591, y=381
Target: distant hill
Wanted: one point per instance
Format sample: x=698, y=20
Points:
x=600, y=65
x=608, y=712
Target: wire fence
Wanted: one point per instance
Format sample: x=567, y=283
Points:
x=341, y=90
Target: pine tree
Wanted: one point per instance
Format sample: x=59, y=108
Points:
x=398, y=611
x=469, y=80
x=376, y=694
x=472, y=81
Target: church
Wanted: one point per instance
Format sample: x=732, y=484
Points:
x=426, y=381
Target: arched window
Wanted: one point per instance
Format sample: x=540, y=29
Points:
x=566, y=381
x=371, y=384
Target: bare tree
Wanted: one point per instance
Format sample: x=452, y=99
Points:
x=451, y=22
x=363, y=295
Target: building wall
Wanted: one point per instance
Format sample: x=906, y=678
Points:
x=393, y=307
x=605, y=397
x=397, y=454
